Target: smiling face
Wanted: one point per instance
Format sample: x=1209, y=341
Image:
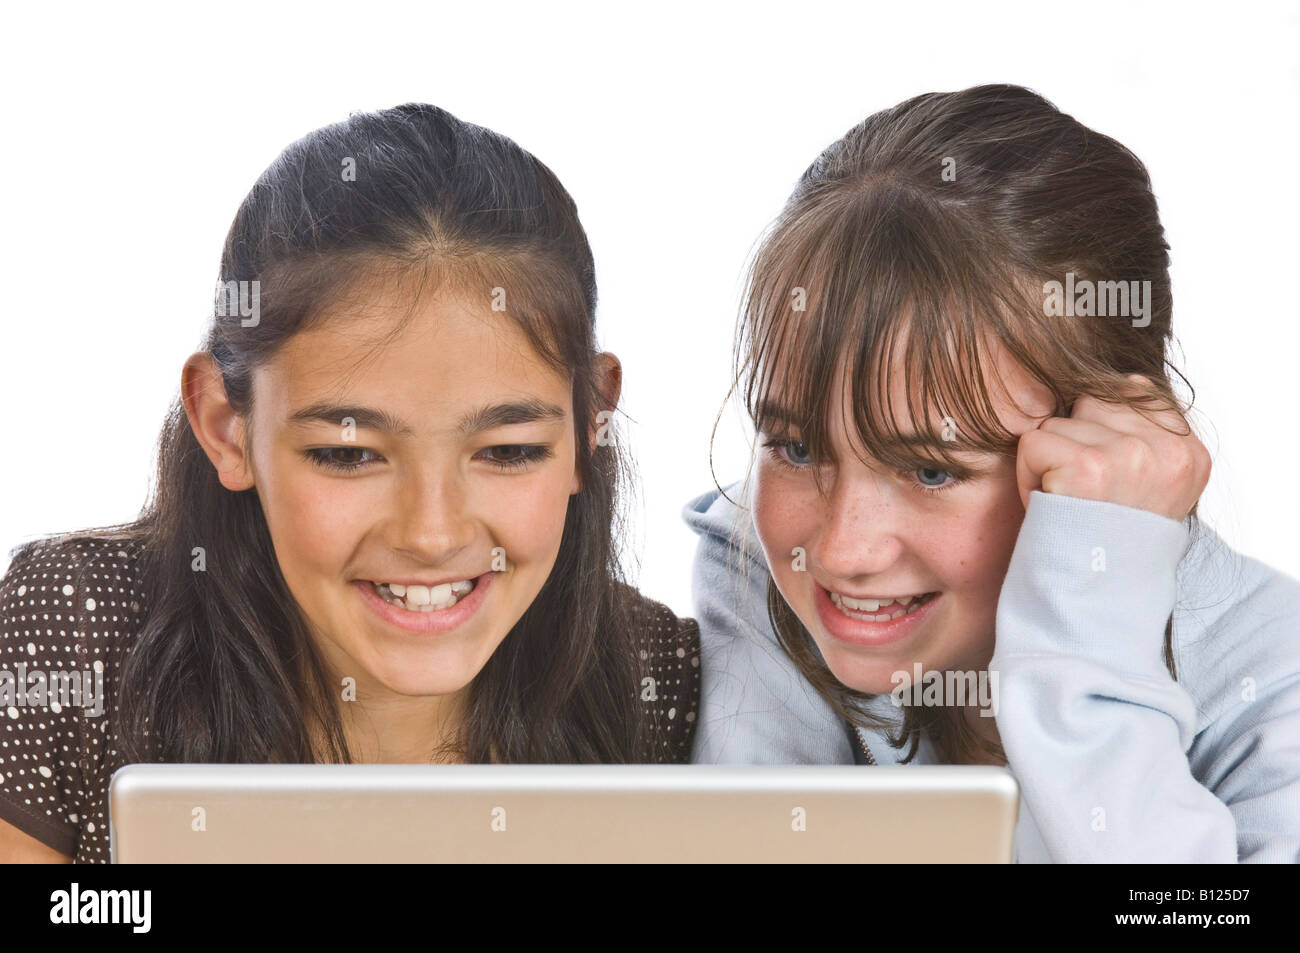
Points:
x=884, y=533
x=459, y=469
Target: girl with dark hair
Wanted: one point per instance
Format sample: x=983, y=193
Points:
x=971, y=537
x=386, y=521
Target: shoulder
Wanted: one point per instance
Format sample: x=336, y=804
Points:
x=1236, y=630
x=668, y=667
x=757, y=707
x=69, y=606
x=76, y=588
x=729, y=572
x=55, y=583
x=52, y=563
x=723, y=515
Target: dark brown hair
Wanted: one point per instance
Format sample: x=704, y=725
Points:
x=223, y=668
x=944, y=217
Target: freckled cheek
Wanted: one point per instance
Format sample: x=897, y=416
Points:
x=784, y=522
x=974, y=555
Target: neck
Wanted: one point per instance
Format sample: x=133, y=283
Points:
x=386, y=728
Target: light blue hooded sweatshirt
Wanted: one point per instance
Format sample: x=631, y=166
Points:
x=1116, y=761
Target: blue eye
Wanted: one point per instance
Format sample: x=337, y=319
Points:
x=926, y=479
x=790, y=453
x=940, y=473
x=948, y=477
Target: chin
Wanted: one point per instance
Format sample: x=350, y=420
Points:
x=423, y=686
x=874, y=676
x=424, y=673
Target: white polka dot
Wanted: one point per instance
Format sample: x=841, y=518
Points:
x=22, y=590
x=681, y=653
x=90, y=827
x=99, y=665
x=45, y=772
x=31, y=648
x=672, y=713
x=90, y=605
x=68, y=590
x=13, y=712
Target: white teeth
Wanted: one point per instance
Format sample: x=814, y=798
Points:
x=859, y=605
x=862, y=608
x=424, y=598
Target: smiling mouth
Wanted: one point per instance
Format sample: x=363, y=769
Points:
x=876, y=610
x=424, y=598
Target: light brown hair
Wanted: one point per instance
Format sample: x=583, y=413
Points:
x=877, y=240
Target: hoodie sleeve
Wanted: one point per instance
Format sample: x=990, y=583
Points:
x=1097, y=731
x=755, y=708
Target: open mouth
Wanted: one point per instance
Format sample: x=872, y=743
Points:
x=880, y=610
x=424, y=598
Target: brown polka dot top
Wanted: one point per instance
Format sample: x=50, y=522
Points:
x=68, y=612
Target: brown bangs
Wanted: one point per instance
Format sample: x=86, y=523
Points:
x=857, y=286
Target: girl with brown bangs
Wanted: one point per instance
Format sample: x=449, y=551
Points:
x=970, y=536
x=387, y=521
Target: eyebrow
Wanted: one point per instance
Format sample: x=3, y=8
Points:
x=487, y=417
x=771, y=410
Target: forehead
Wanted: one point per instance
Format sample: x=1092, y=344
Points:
x=1018, y=400
x=452, y=351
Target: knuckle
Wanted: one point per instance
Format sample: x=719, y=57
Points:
x=1092, y=462
x=1135, y=450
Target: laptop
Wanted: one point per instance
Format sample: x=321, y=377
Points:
x=378, y=813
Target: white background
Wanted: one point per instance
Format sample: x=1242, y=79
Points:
x=130, y=136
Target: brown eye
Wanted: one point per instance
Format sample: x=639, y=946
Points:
x=340, y=458
x=347, y=455
x=516, y=456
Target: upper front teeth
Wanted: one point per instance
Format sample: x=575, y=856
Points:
x=440, y=595
x=868, y=605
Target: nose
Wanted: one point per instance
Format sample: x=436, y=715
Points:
x=860, y=533
x=431, y=521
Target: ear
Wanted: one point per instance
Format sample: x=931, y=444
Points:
x=219, y=430
x=609, y=381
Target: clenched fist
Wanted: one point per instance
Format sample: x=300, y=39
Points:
x=1114, y=454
